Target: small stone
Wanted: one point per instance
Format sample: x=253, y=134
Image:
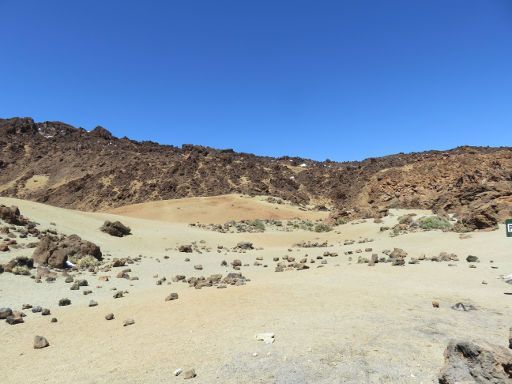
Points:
x=40, y=342
x=45, y=312
x=93, y=303
x=36, y=309
x=128, y=322
x=190, y=374
x=172, y=296
x=118, y=294
x=178, y=371
x=198, y=267
x=53, y=320
x=69, y=279
x=435, y=304
x=109, y=316
x=472, y=259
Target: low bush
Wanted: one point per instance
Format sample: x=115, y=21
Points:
x=433, y=222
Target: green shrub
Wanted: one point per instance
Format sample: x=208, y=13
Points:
x=86, y=262
x=258, y=224
x=341, y=220
x=21, y=270
x=322, y=228
x=433, y=222
x=406, y=219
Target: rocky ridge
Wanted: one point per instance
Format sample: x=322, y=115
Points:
x=55, y=163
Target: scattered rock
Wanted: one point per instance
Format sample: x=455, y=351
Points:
x=109, y=316
x=40, y=342
x=472, y=259
x=172, y=296
x=64, y=302
x=93, y=303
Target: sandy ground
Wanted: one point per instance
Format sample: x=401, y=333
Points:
x=343, y=323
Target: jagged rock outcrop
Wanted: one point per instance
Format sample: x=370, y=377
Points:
x=55, y=163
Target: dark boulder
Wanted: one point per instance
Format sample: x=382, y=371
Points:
x=55, y=253
x=185, y=248
x=12, y=215
x=115, y=228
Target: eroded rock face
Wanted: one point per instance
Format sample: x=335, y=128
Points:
x=480, y=219
x=466, y=362
x=55, y=252
x=115, y=228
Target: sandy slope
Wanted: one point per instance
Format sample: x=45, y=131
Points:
x=216, y=210
x=343, y=323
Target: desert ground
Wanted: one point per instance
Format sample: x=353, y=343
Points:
x=339, y=322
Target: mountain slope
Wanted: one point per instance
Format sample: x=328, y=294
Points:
x=58, y=164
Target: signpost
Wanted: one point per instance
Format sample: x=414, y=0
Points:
x=508, y=227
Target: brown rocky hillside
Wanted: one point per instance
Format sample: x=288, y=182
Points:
x=58, y=164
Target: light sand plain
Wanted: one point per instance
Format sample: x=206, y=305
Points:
x=342, y=323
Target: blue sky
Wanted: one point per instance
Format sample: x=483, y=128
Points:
x=343, y=80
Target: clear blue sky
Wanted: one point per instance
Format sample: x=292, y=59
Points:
x=342, y=80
